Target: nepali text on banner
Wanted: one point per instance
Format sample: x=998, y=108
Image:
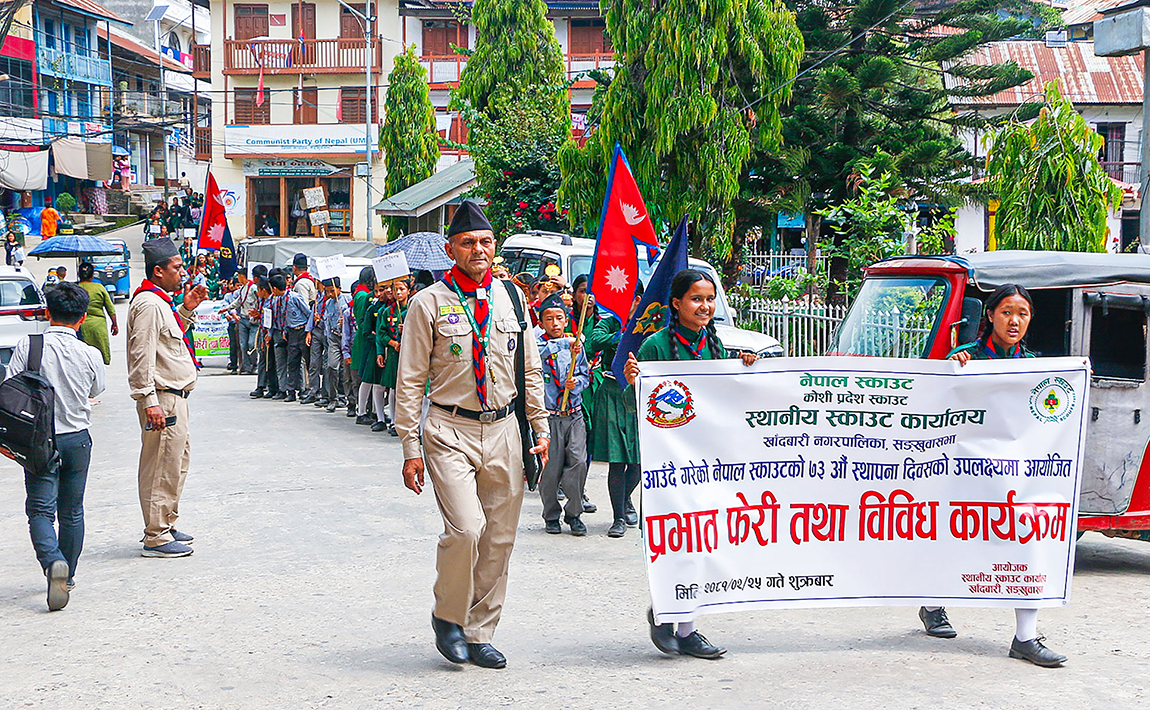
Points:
x=838, y=481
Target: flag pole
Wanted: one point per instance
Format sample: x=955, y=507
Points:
x=578, y=337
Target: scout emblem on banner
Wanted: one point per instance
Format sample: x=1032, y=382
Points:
x=651, y=315
x=214, y=232
x=624, y=226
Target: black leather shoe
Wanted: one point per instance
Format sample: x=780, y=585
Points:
x=588, y=506
x=485, y=655
x=350, y=412
x=630, y=515
x=618, y=528
x=449, y=640
x=1036, y=653
x=256, y=393
x=363, y=419
x=662, y=635
x=310, y=399
x=578, y=528
x=280, y=395
x=379, y=426
x=551, y=527
x=290, y=397
x=331, y=407
x=269, y=394
x=321, y=403
x=936, y=623
x=695, y=644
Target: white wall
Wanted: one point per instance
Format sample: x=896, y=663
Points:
x=970, y=228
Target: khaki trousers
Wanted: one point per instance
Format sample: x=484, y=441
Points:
x=164, y=457
x=476, y=471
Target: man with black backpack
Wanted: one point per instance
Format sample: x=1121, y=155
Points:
x=75, y=372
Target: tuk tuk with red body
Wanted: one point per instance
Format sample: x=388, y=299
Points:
x=1092, y=305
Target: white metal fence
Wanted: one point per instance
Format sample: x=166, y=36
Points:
x=809, y=329
x=757, y=269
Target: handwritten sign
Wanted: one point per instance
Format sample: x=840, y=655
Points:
x=860, y=482
x=313, y=197
x=390, y=266
x=320, y=217
x=253, y=264
x=327, y=267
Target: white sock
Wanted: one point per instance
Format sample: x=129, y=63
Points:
x=1026, y=624
x=932, y=608
x=364, y=395
x=391, y=404
x=377, y=397
x=684, y=629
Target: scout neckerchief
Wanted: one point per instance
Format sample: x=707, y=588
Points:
x=465, y=287
x=153, y=288
x=987, y=347
x=695, y=351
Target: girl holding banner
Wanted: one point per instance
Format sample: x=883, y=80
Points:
x=691, y=335
x=1005, y=320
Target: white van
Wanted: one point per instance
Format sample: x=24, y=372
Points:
x=534, y=251
x=23, y=310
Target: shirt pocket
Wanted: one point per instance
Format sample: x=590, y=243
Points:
x=505, y=339
x=456, y=339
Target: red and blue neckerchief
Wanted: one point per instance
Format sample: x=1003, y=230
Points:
x=695, y=351
x=464, y=285
x=188, y=343
x=1014, y=354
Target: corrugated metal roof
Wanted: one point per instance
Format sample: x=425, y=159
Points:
x=94, y=9
x=1082, y=77
x=1089, y=11
x=435, y=191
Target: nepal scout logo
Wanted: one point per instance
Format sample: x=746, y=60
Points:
x=1052, y=400
x=670, y=405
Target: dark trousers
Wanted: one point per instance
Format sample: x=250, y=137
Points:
x=268, y=377
x=233, y=345
x=353, y=391
x=315, y=365
x=280, y=354
x=335, y=379
x=248, y=348
x=566, y=467
x=296, y=357
x=622, y=478
x=59, y=494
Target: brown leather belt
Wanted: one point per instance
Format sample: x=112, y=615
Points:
x=485, y=417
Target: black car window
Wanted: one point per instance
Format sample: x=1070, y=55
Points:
x=18, y=292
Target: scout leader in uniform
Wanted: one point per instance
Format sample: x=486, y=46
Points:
x=461, y=334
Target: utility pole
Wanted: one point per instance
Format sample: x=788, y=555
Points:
x=368, y=37
x=155, y=14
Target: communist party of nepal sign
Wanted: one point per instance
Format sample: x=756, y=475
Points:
x=843, y=481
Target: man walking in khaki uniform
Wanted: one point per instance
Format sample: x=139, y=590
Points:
x=462, y=334
x=162, y=373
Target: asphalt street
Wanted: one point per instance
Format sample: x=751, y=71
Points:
x=311, y=588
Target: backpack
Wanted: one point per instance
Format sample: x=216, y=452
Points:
x=28, y=414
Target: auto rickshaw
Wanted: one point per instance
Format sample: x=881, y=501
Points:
x=1093, y=305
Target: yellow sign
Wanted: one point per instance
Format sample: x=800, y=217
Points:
x=451, y=309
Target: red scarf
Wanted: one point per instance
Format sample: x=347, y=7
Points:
x=153, y=288
x=696, y=351
x=455, y=278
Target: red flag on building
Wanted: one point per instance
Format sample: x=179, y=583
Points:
x=214, y=221
x=625, y=227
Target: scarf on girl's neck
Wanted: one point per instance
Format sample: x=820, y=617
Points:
x=696, y=350
x=188, y=343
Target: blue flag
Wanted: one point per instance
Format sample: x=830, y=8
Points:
x=228, y=264
x=651, y=315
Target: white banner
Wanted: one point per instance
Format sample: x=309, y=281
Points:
x=279, y=141
x=390, y=266
x=805, y=482
x=327, y=267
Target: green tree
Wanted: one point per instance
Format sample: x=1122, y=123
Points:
x=679, y=104
x=513, y=96
x=408, y=138
x=1053, y=194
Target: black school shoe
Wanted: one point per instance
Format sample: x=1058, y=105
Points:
x=257, y=393
x=578, y=529
x=552, y=527
x=1036, y=653
x=379, y=426
x=936, y=623
x=697, y=645
x=485, y=655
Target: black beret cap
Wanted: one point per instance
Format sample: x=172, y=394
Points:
x=468, y=217
x=157, y=251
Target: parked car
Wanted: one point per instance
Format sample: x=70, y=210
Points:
x=112, y=270
x=1092, y=305
x=534, y=251
x=23, y=310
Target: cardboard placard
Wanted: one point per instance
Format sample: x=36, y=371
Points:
x=267, y=318
x=320, y=217
x=254, y=264
x=313, y=197
x=390, y=266
x=327, y=267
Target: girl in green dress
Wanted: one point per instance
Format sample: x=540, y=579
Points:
x=389, y=332
x=369, y=370
x=690, y=335
x=614, y=430
x=360, y=300
x=94, y=329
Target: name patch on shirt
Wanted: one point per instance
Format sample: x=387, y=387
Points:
x=451, y=309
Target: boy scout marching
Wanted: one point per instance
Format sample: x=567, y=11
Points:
x=459, y=342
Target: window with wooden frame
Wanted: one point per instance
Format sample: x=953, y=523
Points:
x=250, y=21
x=350, y=26
x=305, y=106
x=246, y=111
x=439, y=35
x=588, y=36
x=352, y=109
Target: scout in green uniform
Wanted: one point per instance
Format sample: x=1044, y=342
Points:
x=370, y=389
x=1005, y=321
x=360, y=301
x=689, y=336
x=614, y=431
x=388, y=333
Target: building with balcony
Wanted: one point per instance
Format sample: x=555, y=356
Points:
x=292, y=92
x=432, y=27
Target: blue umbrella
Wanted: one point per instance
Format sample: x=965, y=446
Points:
x=117, y=150
x=73, y=245
x=424, y=251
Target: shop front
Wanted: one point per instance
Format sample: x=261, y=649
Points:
x=276, y=205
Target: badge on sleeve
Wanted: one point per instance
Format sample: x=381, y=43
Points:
x=511, y=345
x=453, y=319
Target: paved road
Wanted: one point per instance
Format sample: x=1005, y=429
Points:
x=310, y=588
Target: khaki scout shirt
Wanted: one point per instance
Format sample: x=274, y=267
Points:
x=433, y=324
x=157, y=355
